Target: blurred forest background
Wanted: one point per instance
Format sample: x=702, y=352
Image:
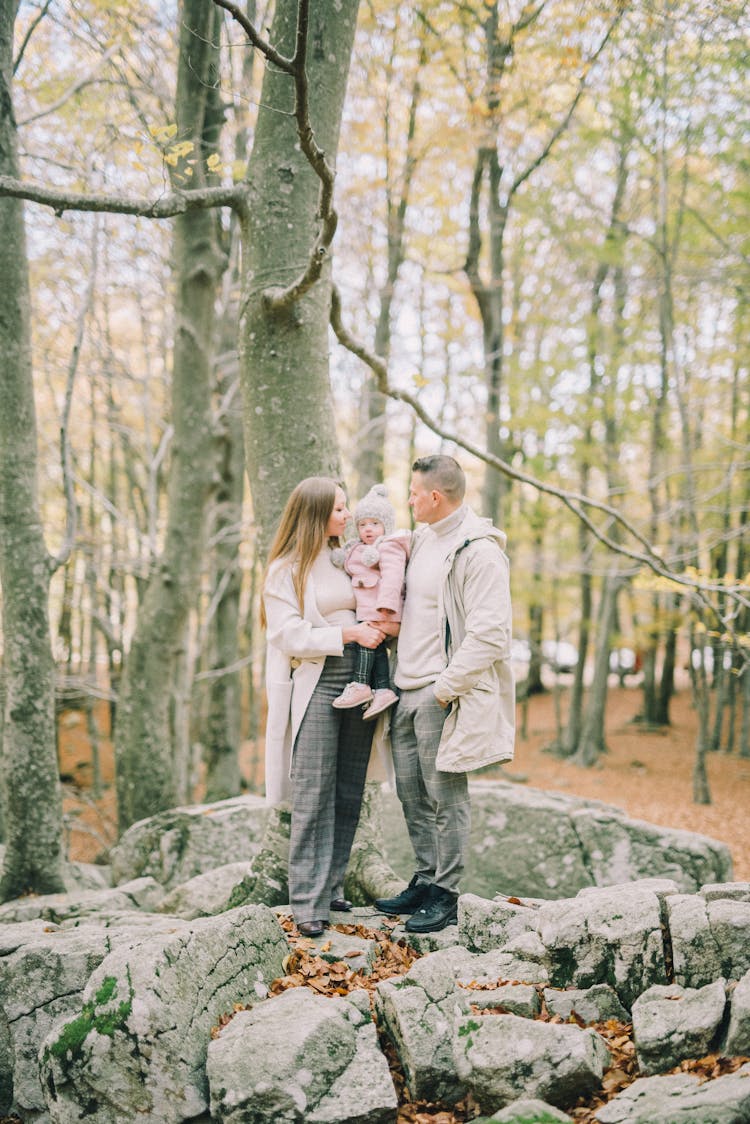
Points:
x=540, y=266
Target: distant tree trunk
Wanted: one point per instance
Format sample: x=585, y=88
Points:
x=592, y=742
x=721, y=692
x=533, y=684
x=603, y=371
x=745, y=724
x=287, y=405
x=575, y=704
x=146, y=773
x=489, y=298
x=369, y=459
x=31, y=797
x=702, y=697
x=669, y=662
x=221, y=732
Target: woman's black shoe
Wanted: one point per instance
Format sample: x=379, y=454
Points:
x=341, y=905
x=311, y=928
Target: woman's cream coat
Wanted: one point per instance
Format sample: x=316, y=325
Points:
x=474, y=612
x=298, y=643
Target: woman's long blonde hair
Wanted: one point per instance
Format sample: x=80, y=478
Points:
x=301, y=533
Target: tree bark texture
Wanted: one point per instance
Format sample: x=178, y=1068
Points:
x=31, y=798
x=221, y=732
x=289, y=422
x=146, y=771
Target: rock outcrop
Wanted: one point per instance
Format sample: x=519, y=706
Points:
x=113, y=1012
x=136, y=1047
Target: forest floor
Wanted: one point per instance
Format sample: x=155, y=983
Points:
x=648, y=773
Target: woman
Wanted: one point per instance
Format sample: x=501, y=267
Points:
x=312, y=636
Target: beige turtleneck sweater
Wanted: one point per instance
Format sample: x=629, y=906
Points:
x=420, y=650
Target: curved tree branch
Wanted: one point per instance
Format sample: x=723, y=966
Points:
x=79, y=84
x=165, y=207
x=574, y=501
x=31, y=29
x=255, y=37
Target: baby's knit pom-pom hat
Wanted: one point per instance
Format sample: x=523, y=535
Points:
x=375, y=505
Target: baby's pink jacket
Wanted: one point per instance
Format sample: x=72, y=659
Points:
x=380, y=586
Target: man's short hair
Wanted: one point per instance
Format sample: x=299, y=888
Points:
x=444, y=474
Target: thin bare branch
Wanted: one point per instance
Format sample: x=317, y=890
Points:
x=165, y=207
x=219, y=672
x=574, y=501
x=27, y=37
x=72, y=90
x=563, y=125
x=71, y=511
x=255, y=37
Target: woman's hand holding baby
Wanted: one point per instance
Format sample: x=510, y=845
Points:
x=368, y=634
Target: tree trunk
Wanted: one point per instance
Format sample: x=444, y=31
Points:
x=287, y=404
x=702, y=697
x=577, y=690
x=31, y=796
x=666, y=682
x=744, y=749
x=592, y=742
x=370, y=455
x=221, y=734
x=143, y=748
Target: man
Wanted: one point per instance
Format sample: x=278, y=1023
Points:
x=457, y=706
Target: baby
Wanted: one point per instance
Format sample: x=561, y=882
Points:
x=376, y=561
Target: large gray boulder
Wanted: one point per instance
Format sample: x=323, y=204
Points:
x=620, y=849
x=530, y=843
x=514, y=998
x=738, y=1032
x=681, y=1098
x=44, y=969
x=709, y=938
x=178, y=844
x=136, y=1048
x=592, y=1004
x=321, y=1064
x=672, y=1023
x=40, y=982
x=418, y=1011
x=736, y=891
x=206, y=894
x=504, y=1057
x=484, y=924
x=140, y=893
x=524, y=842
x=610, y=935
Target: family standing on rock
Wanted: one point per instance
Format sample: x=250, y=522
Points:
x=456, y=706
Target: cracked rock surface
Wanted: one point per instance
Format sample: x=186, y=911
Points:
x=503, y=1058
x=137, y=1045
x=322, y=1064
